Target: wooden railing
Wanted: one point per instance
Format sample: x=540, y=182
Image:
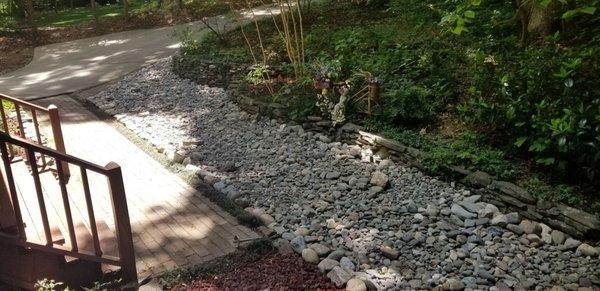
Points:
x=112, y=172
x=34, y=110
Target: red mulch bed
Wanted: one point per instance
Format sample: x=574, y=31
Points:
x=274, y=271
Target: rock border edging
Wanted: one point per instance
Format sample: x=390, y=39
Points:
x=575, y=222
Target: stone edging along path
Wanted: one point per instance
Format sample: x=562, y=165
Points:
x=362, y=218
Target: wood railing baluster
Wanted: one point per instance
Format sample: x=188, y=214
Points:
x=122, y=223
x=59, y=143
x=66, y=204
x=20, y=120
x=13, y=190
x=36, y=125
x=4, y=119
x=6, y=127
x=40, y=195
x=90, y=209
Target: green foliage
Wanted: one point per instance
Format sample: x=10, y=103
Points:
x=375, y=3
x=403, y=135
x=416, y=76
x=462, y=15
x=326, y=68
x=538, y=102
x=469, y=151
x=589, y=10
x=543, y=101
x=258, y=74
x=78, y=15
x=299, y=99
x=50, y=285
x=209, y=47
x=406, y=103
x=560, y=193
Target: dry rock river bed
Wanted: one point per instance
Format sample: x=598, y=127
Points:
x=366, y=222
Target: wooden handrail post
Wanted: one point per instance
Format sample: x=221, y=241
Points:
x=59, y=142
x=122, y=223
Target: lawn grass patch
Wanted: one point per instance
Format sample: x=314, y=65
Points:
x=79, y=15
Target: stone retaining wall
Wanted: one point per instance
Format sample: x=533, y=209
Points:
x=503, y=194
x=254, y=106
x=205, y=72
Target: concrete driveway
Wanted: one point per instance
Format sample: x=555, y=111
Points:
x=72, y=66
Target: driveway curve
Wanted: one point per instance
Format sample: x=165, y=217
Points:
x=73, y=66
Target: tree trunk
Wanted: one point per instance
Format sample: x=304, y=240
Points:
x=126, y=8
x=30, y=14
x=94, y=13
x=537, y=21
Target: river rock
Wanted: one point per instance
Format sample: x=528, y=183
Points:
x=379, y=179
x=461, y=212
x=530, y=227
x=339, y=276
x=587, y=250
x=356, y=284
x=327, y=265
x=571, y=243
x=558, y=237
x=298, y=244
x=453, y=285
x=389, y=252
x=310, y=256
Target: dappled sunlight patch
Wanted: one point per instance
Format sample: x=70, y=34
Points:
x=112, y=42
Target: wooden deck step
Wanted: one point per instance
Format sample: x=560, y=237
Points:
x=108, y=239
x=85, y=241
x=109, y=245
x=57, y=237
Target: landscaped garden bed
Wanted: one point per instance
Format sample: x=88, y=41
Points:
x=348, y=209
x=432, y=89
x=279, y=142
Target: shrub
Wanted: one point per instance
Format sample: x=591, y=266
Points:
x=544, y=101
x=469, y=150
x=406, y=103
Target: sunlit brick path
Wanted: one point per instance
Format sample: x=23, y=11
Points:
x=173, y=225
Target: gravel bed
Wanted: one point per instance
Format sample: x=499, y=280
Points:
x=356, y=215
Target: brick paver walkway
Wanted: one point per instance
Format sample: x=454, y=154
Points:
x=173, y=225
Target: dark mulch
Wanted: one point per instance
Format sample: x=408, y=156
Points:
x=274, y=271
